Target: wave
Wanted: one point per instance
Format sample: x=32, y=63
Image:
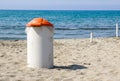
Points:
x=13, y=38
x=85, y=28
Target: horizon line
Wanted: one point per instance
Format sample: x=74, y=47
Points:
x=67, y=9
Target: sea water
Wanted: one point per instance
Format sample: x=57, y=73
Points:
x=67, y=23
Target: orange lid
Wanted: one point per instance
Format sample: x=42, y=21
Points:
x=37, y=22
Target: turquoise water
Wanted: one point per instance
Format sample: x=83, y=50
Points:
x=68, y=24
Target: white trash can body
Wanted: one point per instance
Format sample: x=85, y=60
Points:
x=40, y=47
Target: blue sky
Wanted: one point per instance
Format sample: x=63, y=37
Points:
x=61, y=4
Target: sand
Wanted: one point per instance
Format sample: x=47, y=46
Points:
x=74, y=60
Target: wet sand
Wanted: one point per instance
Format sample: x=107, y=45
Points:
x=74, y=60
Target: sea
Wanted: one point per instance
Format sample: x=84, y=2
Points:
x=67, y=23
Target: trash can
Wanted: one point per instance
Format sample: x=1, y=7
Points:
x=39, y=43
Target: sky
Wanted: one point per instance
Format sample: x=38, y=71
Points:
x=60, y=4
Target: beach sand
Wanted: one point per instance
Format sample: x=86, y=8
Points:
x=74, y=60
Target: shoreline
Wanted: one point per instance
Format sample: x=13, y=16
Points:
x=74, y=60
x=64, y=38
